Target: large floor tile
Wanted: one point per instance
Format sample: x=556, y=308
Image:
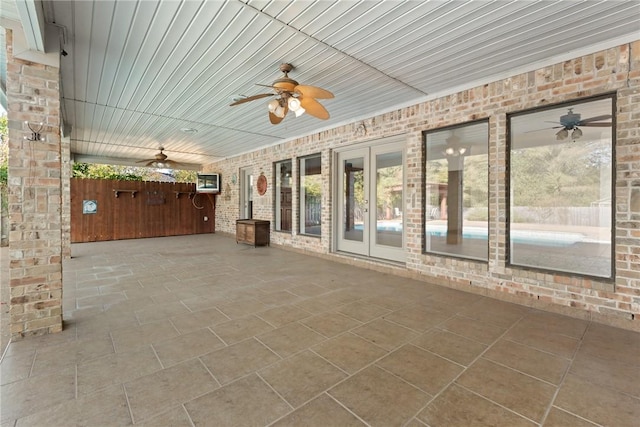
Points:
x=598, y=404
x=107, y=407
x=240, y=359
x=418, y=318
x=187, y=346
x=175, y=417
x=65, y=357
x=379, y=398
x=237, y=330
x=477, y=330
x=538, y=364
x=349, y=352
x=362, y=311
x=428, y=372
x=16, y=368
x=301, y=377
x=495, y=312
x=127, y=339
x=607, y=373
x=516, y=391
x=557, y=324
x=153, y=394
x=330, y=324
x=290, y=339
x=116, y=368
x=537, y=336
x=385, y=334
x=458, y=406
x=322, y=411
x=280, y=316
x=241, y=308
x=161, y=311
x=246, y=402
x=199, y=319
x=450, y=346
x=34, y=394
x=559, y=418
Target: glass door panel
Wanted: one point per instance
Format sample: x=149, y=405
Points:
x=353, y=203
x=389, y=199
x=387, y=214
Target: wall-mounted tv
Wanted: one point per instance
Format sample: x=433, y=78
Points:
x=208, y=183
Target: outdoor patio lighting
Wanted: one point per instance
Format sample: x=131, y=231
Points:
x=562, y=134
x=577, y=133
x=295, y=106
x=35, y=133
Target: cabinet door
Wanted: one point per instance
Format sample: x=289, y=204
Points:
x=250, y=233
x=241, y=232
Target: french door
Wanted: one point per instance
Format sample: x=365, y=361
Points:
x=370, y=201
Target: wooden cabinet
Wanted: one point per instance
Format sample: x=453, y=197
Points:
x=252, y=231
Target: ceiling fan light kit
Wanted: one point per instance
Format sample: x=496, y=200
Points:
x=160, y=161
x=571, y=121
x=291, y=96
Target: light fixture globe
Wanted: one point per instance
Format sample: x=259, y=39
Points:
x=296, y=106
x=577, y=133
x=562, y=134
x=273, y=104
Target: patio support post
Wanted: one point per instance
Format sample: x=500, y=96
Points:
x=35, y=194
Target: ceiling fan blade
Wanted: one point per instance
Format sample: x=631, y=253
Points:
x=145, y=160
x=250, y=98
x=595, y=125
x=594, y=119
x=313, y=92
x=314, y=108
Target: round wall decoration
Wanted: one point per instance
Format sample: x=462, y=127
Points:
x=261, y=184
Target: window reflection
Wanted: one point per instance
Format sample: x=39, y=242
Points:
x=310, y=212
x=456, y=196
x=561, y=163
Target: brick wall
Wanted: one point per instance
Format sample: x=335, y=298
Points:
x=35, y=241
x=614, y=70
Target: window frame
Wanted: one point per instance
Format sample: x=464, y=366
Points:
x=425, y=133
x=302, y=218
x=508, y=169
x=277, y=190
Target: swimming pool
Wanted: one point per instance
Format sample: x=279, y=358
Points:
x=529, y=237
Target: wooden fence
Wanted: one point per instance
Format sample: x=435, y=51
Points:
x=113, y=210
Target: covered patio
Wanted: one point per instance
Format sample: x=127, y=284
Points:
x=199, y=330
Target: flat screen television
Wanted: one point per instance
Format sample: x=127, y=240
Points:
x=208, y=183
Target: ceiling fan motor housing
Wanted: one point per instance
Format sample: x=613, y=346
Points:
x=570, y=120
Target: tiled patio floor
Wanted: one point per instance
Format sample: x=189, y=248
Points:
x=198, y=330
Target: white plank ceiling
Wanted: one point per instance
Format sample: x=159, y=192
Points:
x=138, y=72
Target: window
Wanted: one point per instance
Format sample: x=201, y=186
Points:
x=283, y=195
x=456, y=202
x=560, y=188
x=310, y=209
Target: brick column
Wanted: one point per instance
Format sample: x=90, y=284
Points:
x=35, y=203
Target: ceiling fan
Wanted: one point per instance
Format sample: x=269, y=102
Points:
x=291, y=96
x=159, y=161
x=572, y=121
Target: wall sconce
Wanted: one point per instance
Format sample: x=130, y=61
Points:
x=35, y=133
